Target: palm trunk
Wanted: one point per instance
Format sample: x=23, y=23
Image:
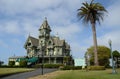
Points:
x=96, y=63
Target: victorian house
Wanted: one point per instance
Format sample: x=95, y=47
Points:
x=52, y=48
x=47, y=48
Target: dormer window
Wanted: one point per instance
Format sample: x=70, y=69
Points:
x=29, y=44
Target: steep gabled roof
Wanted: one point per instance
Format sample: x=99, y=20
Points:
x=58, y=42
x=67, y=46
x=33, y=40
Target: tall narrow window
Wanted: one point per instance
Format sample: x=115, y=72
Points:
x=49, y=43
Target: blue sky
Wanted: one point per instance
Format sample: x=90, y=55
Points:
x=18, y=18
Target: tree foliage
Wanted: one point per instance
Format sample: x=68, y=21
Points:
x=68, y=60
x=23, y=63
x=103, y=55
x=11, y=63
x=91, y=12
x=116, y=55
x=1, y=62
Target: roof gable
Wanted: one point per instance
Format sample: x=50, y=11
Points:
x=33, y=40
x=58, y=42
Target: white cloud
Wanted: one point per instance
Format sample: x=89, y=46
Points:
x=30, y=28
x=112, y=20
x=10, y=27
x=67, y=31
x=26, y=12
x=26, y=6
x=113, y=36
x=113, y=26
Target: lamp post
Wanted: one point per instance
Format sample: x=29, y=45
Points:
x=113, y=66
x=42, y=59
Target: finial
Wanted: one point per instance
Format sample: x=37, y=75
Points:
x=57, y=34
x=45, y=18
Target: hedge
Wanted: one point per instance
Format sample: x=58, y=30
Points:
x=96, y=67
x=48, y=65
x=71, y=68
x=52, y=65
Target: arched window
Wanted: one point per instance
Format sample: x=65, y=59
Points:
x=49, y=42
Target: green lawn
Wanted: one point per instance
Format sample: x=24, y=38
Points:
x=9, y=71
x=82, y=74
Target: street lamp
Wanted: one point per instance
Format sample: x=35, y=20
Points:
x=113, y=66
x=42, y=48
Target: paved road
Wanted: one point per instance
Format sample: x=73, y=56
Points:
x=26, y=75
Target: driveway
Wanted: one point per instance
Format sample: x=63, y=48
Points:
x=26, y=75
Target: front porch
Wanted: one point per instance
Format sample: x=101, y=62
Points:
x=51, y=59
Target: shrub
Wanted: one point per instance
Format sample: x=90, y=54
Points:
x=66, y=68
x=52, y=65
x=11, y=63
x=37, y=66
x=77, y=67
x=4, y=66
x=71, y=68
x=23, y=63
x=96, y=68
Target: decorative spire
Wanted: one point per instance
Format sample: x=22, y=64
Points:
x=45, y=25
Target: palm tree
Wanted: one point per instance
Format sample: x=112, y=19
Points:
x=92, y=12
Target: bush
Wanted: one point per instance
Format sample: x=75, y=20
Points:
x=37, y=66
x=52, y=65
x=96, y=67
x=71, y=68
x=11, y=63
x=23, y=63
x=4, y=66
x=77, y=67
x=66, y=68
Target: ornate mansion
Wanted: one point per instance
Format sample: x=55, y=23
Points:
x=47, y=48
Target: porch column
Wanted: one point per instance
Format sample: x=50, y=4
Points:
x=55, y=59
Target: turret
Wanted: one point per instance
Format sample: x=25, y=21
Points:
x=44, y=29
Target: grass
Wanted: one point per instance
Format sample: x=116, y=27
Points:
x=9, y=71
x=82, y=74
x=79, y=74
